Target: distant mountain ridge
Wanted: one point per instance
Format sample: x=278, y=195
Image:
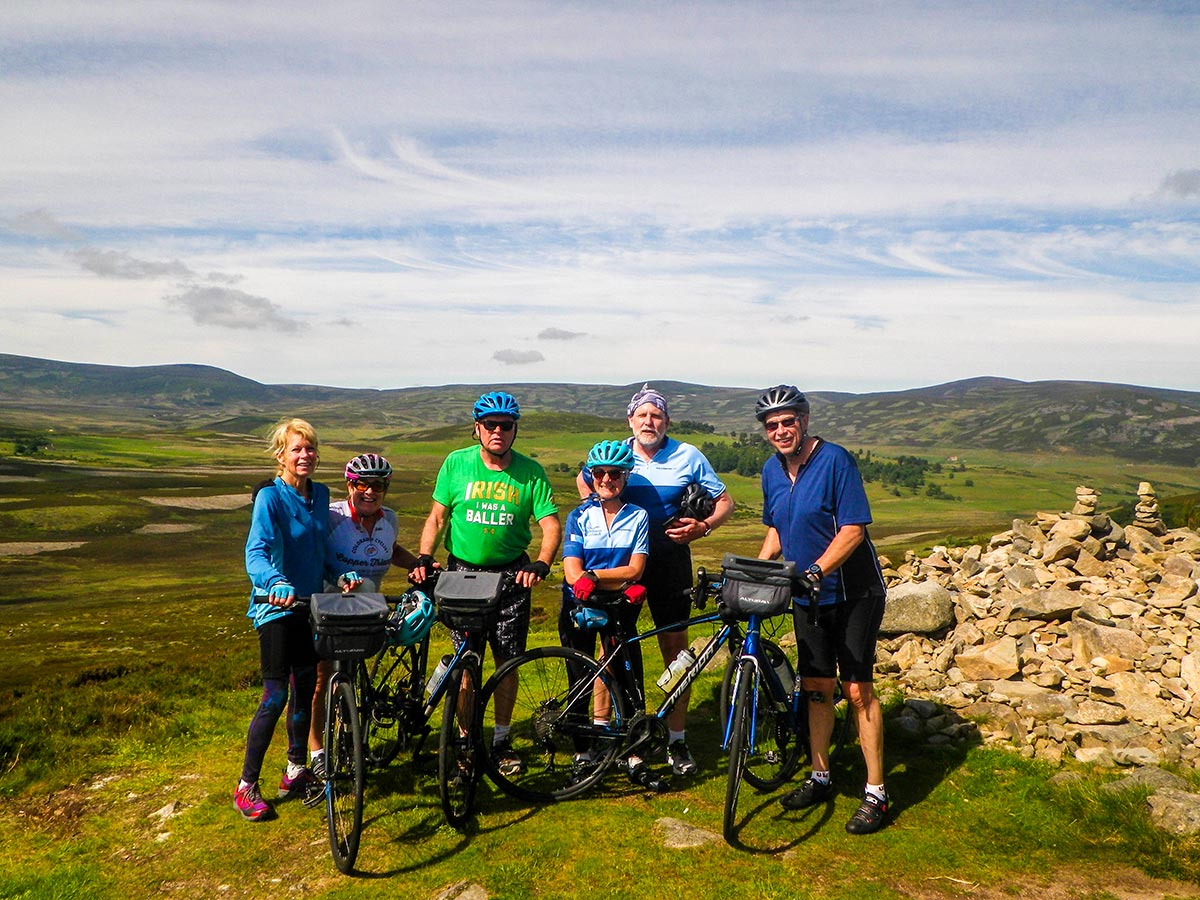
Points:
x=1128, y=421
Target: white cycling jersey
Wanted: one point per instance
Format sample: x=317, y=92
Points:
x=370, y=555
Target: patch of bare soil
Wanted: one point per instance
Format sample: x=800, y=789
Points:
x=220, y=501
x=1062, y=884
x=166, y=528
x=29, y=548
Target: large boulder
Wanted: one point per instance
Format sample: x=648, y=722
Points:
x=922, y=607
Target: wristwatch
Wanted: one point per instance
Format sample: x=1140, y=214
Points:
x=814, y=574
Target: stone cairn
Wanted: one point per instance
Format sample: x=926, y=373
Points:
x=1145, y=513
x=1066, y=637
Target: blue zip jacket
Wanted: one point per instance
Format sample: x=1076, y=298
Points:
x=287, y=543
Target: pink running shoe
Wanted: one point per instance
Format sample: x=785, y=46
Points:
x=249, y=802
x=301, y=787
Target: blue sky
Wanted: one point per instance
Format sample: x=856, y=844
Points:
x=847, y=196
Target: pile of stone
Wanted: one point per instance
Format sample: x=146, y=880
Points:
x=1066, y=637
x=1145, y=513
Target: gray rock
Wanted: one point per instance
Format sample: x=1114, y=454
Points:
x=1055, y=604
x=1145, y=777
x=920, y=608
x=1175, y=811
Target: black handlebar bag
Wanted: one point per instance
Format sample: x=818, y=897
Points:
x=348, y=626
x=756, y=587
x=467, y=599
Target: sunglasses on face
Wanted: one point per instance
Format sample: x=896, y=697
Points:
x=785, y=422
x=610, y=474
x=361, y=487
x=505, y=425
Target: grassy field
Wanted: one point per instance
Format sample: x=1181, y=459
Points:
x=131, y=674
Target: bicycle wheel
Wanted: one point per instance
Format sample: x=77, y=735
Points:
x=741, y=726
x=778, y=740
x=345, y=773
x=460, y=747
x=557, y=691
x=395, y=677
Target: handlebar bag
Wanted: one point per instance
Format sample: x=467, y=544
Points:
x=466, y=598
x=756, y=587
x=348, y=626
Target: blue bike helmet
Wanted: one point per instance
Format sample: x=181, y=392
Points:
x=611, y=453
x=496, y=403
x=412, y=619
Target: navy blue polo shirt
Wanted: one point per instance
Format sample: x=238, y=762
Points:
x=827, y=494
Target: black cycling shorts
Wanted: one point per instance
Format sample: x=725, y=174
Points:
x=285, y=644
x=668, y=583
x=843, y=640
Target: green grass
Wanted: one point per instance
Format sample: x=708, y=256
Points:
x=131, y=674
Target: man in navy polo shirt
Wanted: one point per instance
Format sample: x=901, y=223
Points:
x=816, y=512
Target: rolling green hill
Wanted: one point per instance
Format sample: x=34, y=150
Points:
x=1141, y=424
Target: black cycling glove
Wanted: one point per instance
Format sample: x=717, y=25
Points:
x=538, y=568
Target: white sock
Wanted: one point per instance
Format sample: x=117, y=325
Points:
x=316, y=755
x=877, y=791
x=501, y=733
x=294, y=769
x=821, y=777
x=673, y=736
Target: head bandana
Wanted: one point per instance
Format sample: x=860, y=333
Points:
x=647, y=395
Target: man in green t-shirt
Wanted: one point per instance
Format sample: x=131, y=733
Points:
x=483, y=501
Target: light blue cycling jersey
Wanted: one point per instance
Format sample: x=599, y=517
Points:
x=657, y=484
x=598, y=545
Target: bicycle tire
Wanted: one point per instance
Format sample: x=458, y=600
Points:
x=843, y=726
x=345, y=774
x=778, y=742
x=395, y=678
x=551, y=721
x=459, y=766
x=741, y=713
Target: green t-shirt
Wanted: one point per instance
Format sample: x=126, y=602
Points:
x=488, y=511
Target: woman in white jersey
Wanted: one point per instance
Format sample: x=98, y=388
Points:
x=363, y=529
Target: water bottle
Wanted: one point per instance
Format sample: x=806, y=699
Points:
x=676, y=670
x=438, y=674
x=783, y=669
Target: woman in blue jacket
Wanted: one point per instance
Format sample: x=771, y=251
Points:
x=286, y=558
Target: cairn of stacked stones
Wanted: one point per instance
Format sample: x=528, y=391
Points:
x=1069, y=636
x=1145, y=513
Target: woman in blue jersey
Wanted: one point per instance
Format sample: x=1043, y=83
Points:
x=606, y=546
x=285, y=558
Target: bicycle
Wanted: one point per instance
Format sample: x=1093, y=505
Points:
x=468, y=602
x=763, y=705
x=570, y=705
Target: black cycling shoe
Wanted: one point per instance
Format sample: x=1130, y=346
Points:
x=582, y=768
x=808, y=794
x=869, y=817
x=641, y=775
